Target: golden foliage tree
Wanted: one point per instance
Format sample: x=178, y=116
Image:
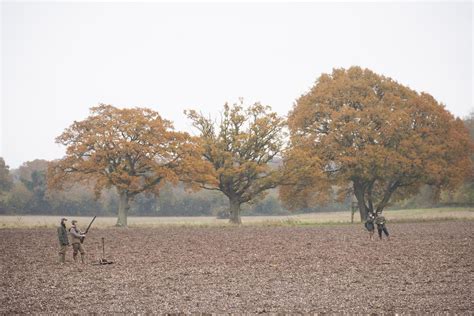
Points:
x=380, y=137
x=240, y=148
x=305, y=184
x=133, y=150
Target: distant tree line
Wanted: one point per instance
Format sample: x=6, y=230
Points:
x=23, y=196
x=24, y=191
x=355, y=136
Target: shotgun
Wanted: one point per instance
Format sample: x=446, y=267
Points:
x=87, y=229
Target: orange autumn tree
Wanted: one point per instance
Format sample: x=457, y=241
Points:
x=133, y=150
x=376, y=135
x=240, y=147
x=305, y=185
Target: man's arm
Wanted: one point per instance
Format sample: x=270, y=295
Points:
x=76, y=233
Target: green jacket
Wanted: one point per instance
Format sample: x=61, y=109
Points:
x=62, y=236
x=380, y=220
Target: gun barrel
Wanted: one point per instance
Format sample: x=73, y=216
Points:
x=90, y=224
x=87, y=229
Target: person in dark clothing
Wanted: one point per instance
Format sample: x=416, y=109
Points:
x=380, y=221
x=369, y=225
x=63, y=240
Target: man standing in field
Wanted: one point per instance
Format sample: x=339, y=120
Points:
x=369, y=225
x=63, y=240
x=380, y=221
x=76, y=236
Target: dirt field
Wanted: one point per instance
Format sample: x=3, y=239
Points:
x=425, y=268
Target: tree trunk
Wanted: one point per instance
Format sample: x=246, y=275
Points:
x=235, y=212
x=359, y=194
x=364, y=212
x=124, y=206
x=391, y=187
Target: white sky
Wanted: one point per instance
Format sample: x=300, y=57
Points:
x=60, y=59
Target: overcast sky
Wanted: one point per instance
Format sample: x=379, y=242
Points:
x=60, y=59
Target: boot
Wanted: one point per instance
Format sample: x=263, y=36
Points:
x=82, y=259
x=62, y=258
x=74, y=256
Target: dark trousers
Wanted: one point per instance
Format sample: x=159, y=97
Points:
x=382, y=228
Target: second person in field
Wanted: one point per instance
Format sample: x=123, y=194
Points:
x=76, y=236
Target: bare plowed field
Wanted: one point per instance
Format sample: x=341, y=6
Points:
x=425, y=268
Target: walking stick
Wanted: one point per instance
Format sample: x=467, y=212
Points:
x=103, y=260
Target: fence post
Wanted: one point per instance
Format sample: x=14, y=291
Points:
x=354, y=206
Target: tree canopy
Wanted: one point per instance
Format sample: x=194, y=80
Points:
x=6, y=180
x=32, y=174
x=240, y=147
x=133, y=150
x=383, y=139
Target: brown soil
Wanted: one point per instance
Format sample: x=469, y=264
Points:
x=425, y=268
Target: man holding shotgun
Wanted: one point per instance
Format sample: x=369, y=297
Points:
x=77, y=238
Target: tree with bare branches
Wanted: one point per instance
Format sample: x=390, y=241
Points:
x=240, y=147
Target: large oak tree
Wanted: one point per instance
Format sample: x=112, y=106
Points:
x=380, y=137
x=240, y=147
x=133, y=150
